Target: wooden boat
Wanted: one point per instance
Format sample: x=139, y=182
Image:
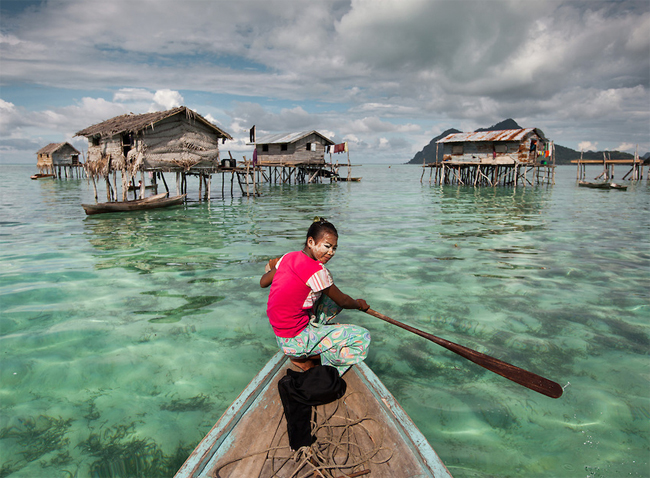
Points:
x=367, y=427
x=151, y=202
x=587, y=184
x=601, y=185
x=42, y=175
x=348, y=179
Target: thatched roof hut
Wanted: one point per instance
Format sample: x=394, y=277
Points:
x=178, y=140
x=56, y=154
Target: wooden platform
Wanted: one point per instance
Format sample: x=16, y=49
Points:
x=490, y=173
x=372, y=432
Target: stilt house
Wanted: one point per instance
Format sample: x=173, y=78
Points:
x=292, y=149
x=56, y=155
x=174, y=140
x=509, y=146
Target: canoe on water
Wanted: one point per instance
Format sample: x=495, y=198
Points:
x=601, y=185
x=348, y=179
x=364, y=433
x=43, y=175
x=587, y=184
x=151, y=202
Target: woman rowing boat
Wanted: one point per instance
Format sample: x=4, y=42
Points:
x=303, y=300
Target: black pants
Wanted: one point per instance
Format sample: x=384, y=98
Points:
x=299, y=391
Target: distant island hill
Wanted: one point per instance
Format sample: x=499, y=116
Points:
x=563, y=155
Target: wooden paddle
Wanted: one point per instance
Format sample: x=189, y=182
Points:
x=522, y=377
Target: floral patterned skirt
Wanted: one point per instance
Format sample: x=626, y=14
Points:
x=339, y=345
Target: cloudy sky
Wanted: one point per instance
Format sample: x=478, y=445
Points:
x=385, y=75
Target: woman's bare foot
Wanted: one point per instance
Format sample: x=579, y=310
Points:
x=305, y=364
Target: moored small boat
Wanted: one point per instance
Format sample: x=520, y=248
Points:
x=43, y=175
x=366, y=432
x=602, y=185
x=348, y=179
x=587, y=184
x=151, y=202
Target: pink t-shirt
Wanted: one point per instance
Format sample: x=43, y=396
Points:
x=298, y=282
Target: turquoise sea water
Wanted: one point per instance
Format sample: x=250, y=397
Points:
x=124, y=337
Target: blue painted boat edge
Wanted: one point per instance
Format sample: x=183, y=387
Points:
x=215, y=442
x=206, y=449
x=409, y=430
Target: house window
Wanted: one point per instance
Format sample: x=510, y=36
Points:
x=127, y=142
x=95, y=141
x=308, y=146
x=457, y=149
x=501, y=148
x=283, y=147
x=265, y=148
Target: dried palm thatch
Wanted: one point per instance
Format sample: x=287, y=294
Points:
x=131, y=123
x=52, y=147
x=99, y=167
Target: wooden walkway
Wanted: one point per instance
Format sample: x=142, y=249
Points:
x=635, y=173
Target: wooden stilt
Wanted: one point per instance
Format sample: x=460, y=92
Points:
x=247, y=173
x=108, y=189
x=143, y=184
x=94, y=187
x=125, y=184
x=162, y=176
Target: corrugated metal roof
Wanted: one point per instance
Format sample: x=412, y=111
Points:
x=283, y=138
x=501, y=135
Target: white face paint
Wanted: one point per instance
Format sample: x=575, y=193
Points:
x=324, y=249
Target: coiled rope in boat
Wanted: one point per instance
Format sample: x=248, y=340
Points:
x=344, y=447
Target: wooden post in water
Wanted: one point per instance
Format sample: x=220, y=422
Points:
x=516, y=174
x=143, y=184
x=94, y=186
x=108, y=189
x=125, y=185
x=248, y=194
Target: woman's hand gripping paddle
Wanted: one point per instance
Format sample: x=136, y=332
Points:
x=518, y=375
